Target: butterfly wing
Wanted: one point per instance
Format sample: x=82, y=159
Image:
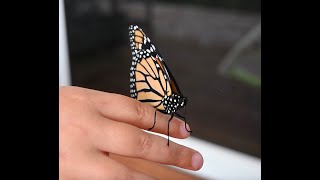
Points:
x=150, y=79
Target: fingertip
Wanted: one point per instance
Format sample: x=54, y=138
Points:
x=197, y=161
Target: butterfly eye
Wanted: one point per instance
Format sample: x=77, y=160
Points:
x=182, y=102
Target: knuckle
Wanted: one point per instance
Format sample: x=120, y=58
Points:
x=73, y=93
x=145, y=145
x=141, y=112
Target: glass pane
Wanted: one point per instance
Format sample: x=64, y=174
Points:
x=211, y=47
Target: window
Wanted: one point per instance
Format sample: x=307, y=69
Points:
x=212, y=48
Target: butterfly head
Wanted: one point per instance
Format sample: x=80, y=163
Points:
x=183, y=101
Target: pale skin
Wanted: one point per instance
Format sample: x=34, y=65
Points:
x=94, y=124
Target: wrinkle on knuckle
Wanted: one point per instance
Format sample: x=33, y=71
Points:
x=145, y=145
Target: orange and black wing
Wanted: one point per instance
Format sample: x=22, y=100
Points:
x=150, y=79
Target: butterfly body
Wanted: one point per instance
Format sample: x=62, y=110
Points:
x=151, y=82
x=173, y=103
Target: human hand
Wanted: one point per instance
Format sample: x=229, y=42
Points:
x=93, y=124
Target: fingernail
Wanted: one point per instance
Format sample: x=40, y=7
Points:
x=197, y=161
x=183, y=130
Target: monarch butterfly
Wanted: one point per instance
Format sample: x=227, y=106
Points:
x=151, y=82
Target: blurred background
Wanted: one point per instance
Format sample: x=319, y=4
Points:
x=213, y=49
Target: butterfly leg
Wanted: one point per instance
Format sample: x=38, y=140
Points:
x=185, y=122
x=154, y=121
x=169, y=127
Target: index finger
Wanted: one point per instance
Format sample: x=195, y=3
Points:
x=125, y=109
